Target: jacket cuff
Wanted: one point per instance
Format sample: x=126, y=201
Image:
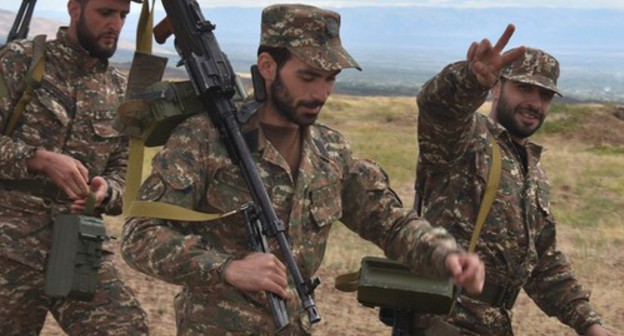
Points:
x=583, y=317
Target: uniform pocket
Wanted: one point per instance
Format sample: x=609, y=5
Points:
x=227, y=190
x=103, y=123
x=325, y=205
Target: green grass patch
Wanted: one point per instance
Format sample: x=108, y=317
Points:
x=607, y=150
x=564, y=118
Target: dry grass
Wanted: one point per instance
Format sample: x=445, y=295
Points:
x=585, y=167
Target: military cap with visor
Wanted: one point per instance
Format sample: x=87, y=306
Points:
x=310, y=33
x=534, y=67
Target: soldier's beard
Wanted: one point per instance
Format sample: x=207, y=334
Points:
x=285, y=104
x=89, y=41
x=505, y=116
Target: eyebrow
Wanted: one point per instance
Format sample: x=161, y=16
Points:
x=316, y=73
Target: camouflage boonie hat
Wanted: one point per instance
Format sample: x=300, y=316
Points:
x=310, y=33
x=535, y=67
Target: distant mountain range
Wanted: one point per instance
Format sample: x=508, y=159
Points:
x=399, y=48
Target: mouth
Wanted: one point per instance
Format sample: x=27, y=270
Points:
x=313, y=108
x=530, y=114
x=109, y=38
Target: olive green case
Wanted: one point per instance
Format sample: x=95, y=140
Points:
x=389, y=284
x=75, y=256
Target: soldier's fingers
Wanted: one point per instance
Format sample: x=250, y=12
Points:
x=76, y=208
x=279, y=264
x=71, y=189
x=270, y=284
x=504, y=39
x=84, y=172
x=471, y=52
x=483, y=49
x=512, y=55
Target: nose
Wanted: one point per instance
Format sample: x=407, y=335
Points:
x=536, y=100
x=322, y=91
x=117, y=22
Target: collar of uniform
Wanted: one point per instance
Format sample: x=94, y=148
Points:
x=75, y=55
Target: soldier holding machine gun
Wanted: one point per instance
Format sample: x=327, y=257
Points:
x=306, y=169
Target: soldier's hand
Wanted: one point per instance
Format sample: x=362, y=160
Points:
x=467, y=271
x=598, y=330
x=258, y=272
x=486, y=61
x=99, y=187
x=66, y=172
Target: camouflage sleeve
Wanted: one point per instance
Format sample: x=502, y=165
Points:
x=446, y=107
x=115, y=174
x=14, y=63
x=553, y=286
x=373, y=210
x=116, y=167
x=169, y=250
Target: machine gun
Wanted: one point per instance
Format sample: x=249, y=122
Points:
x=19, y=30
x=214, y=82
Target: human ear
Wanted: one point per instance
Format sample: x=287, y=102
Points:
x=74, y=8
x=267, y=66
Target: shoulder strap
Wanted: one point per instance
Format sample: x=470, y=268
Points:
x=149, y=209
x=486, y=204
x=168, y=211
x=490, y=192
x=32, y=80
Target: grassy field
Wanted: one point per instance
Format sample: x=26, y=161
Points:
x=584, y=160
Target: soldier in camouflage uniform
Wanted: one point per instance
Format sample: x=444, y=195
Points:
x=312, y=179
x=517, y=242
x=62, y=146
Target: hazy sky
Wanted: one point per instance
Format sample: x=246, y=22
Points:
x=13, y=5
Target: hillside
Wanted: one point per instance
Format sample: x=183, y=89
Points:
x=399, y=48
x=584, y=157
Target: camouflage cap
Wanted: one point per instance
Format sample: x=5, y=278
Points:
x=535, y=67
x=310, y=33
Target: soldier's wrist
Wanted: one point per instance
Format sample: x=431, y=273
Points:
x=222, y=268
x=109, y=192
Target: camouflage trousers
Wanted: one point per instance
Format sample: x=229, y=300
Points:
x=23, y=305
x=195, y=316
x=469, y=318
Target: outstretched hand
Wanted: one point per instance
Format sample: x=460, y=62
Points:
x=486, y=61
x=467, y=271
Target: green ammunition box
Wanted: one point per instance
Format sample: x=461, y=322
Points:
x=390, y=284
x=75, y=257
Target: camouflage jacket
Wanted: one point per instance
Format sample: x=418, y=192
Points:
x=518, y=240
x=72, y=112
x=193, y=170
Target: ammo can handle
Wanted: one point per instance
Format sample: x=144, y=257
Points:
x=90, y=206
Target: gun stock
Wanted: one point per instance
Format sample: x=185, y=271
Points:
x=214, y=82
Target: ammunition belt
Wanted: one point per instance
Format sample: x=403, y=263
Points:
x=497, y=295
x=39, y=188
